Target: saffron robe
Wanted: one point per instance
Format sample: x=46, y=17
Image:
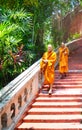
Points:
x=49, y=73
x=63, y=59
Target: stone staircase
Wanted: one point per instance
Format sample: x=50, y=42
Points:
x=60, y=111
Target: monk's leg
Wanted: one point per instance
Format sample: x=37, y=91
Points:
x=65, y=74
x=50, y=90
x=61, y=75
x=65, y=71
x=61, y=72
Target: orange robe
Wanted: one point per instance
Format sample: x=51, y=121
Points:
x=49, y=74
x=63, y=59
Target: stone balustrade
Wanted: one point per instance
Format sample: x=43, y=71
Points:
x=19, y=93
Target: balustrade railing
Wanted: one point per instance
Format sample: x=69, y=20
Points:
x=17, y=95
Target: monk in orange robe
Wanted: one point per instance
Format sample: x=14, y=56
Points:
x=47, y=65
x=63, y=60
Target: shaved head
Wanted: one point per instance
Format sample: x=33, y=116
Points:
x=62, y=44
x=50, y=47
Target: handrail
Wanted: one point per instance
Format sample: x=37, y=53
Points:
x=18, y=80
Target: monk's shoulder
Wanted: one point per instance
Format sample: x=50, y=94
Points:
x=67, y=48
x=59, y=48
x=54, y=53
x=44, y=54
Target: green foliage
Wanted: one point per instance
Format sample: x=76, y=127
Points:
x=74, y=36
x=13, y=29
x=48, y=39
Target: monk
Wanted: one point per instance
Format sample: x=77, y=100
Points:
x=47, y=67
x=63, y=60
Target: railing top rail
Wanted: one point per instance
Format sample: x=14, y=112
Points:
x=19, y=79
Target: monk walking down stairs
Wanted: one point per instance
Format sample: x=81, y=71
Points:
x=47, y=67
x=63, y=60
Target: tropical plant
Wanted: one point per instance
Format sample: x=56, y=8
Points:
x=13, y=28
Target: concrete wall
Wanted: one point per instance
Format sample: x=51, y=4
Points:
x=72, y=22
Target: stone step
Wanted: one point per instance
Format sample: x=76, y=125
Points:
x=55, y=111
x=68, y=79
x=74, y=113
x=68, y=85
x=57, y=76
x=63, y=92
x=68, y=82
x=71, y=71
x=50, y=126
x=74, y=100
x=70, y=74
x=59, y=98
x=53, y=99
x=53, y=118
x=54, y=106
x=56, y=103
x=64, y=87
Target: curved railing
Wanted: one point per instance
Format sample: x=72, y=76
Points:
x=13, y=85
x=19, y=93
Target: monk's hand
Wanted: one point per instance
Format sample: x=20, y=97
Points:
x=45, y=61
x=65, y=53
x=64, y=49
